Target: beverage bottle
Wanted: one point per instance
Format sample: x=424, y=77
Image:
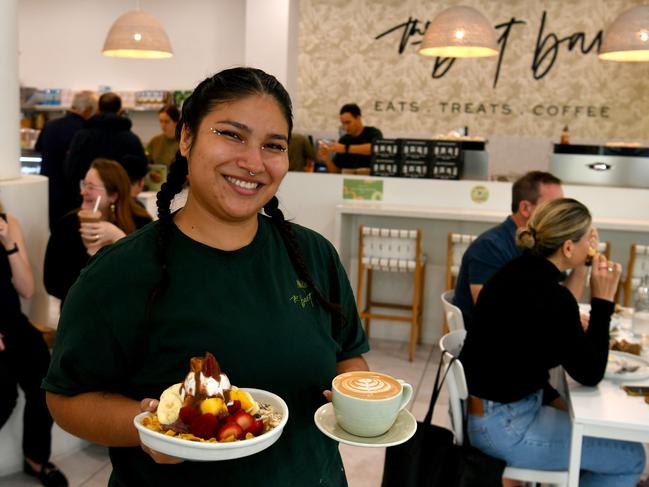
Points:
x=565, y=136
x=641, y=314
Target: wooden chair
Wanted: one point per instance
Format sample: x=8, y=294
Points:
x=456, y=246
x=451, y=345
x=637, y=268
x=457, y=243
x=391, y=250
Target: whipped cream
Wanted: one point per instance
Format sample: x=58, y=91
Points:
x=208, y=386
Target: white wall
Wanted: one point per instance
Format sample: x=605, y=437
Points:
x=60, y=43
x=271, y=35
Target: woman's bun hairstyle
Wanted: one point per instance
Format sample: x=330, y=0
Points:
x=553, y=223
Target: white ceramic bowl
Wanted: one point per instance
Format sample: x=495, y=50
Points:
x=208, y=452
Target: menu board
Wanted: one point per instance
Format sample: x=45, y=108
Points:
x=447, y=159
x=416, y=158
x=386, y=157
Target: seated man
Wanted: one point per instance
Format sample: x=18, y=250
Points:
x=495, y=247
x=354, y=148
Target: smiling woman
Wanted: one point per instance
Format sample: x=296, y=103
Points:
x=270, y=299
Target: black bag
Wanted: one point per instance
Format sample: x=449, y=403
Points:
x=431, y=458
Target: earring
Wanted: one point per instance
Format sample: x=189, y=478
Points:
x=112, y=208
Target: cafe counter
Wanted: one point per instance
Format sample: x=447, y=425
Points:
x=438, y=207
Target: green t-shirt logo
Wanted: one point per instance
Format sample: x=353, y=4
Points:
x=303, y=297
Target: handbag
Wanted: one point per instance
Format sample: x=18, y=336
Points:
x=431, y=457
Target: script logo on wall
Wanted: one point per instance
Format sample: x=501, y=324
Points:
x=546, y=75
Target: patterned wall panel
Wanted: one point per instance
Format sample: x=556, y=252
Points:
x=549, y=74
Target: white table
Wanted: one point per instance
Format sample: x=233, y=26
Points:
x=604, y=411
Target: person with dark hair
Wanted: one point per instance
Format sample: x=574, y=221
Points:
x=268, y=298
x=72, y=243
x=497, y=246
x=301, y=154
x=162, y=148
x=53, y=144
x=105, y=135
x=137, y=169
x=353, y=150
x=526, y=323
x=24, y=356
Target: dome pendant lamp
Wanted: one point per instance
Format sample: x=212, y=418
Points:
x=137, y=34
x=627, y=38
x=460, y=32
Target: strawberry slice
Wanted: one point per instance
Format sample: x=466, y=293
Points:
x=256, y=428
x=234, y=406
x=204, y=426
x=243, y=419
x=230, y=429
x=187, y=414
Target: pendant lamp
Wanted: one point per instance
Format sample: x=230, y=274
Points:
x=627, y=38
x=459, y=32
x=137, y=34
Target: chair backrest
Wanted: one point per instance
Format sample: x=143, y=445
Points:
x=453, y=314
x=389, y=249
x=450, y=345
x=456, y=246
x=637, y=268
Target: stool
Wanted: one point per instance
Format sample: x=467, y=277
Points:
x=391, y=250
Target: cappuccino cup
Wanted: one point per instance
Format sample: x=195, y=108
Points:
x=367, y=403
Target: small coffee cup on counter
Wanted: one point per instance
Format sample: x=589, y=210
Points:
x=367, y=403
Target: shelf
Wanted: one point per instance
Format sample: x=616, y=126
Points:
x=61, y=108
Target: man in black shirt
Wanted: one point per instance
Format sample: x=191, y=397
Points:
x=107, y=135
x=354, y=148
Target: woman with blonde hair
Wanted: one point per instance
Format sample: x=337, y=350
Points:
x=72, y=243
x=526, y=323
x=24, y=357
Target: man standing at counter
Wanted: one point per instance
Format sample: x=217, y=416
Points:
x=497, y=246
x=354, y=148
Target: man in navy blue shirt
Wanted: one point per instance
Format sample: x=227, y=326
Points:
x=495, y=247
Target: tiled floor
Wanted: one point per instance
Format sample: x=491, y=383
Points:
x=91, y=467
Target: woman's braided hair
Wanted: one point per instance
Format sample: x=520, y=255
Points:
x=226, y=86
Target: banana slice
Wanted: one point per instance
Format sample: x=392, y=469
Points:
x=248, y=404
x=170, y=404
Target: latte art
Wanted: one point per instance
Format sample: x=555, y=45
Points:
x=367, y=385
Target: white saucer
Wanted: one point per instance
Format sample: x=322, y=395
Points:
x=402, y=429
x=615, y=359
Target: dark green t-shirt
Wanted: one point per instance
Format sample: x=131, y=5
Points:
x=248, y=308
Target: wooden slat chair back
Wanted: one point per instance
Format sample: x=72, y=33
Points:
x=457, y=243
x=390, y=250
x=637, y=268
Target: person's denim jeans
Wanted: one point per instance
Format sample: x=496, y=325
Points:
x=528, y=435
